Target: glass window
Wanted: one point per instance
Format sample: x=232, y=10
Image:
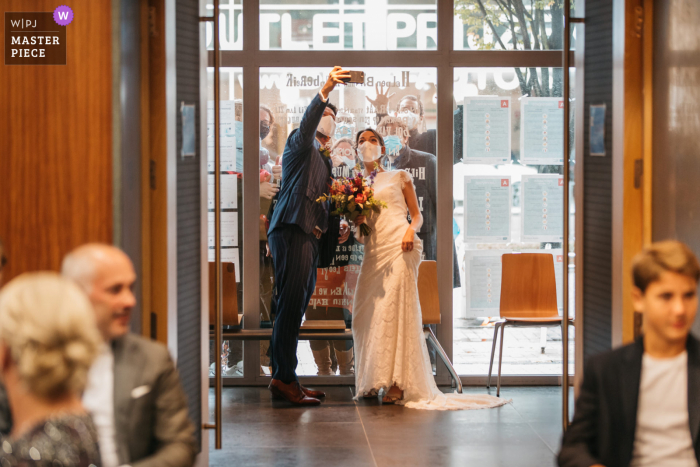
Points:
x=397, y=102
x=508, y=197
x=348, y=24
x=508, y=25
x=230, y=25
x=231, y=155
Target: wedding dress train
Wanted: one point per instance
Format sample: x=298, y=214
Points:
x=387, y=327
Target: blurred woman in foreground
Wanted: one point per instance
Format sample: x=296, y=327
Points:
x=48, y=340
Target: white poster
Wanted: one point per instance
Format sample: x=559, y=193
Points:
x=558, y=259
x=228, y=255
x=486, y=130
x=229, y=191
x=227, y=136
x=542, y=217
x=483, y=282
x=229, y=229
x=487, y=201
x=542, y=130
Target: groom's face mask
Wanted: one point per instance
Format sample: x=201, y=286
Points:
x=327, y=125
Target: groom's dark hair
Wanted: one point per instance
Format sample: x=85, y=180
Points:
x=333, y=108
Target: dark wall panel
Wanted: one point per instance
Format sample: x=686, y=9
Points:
x=676, y=146
x=188, y=213
x=597, y=259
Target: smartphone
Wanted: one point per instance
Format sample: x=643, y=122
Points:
x=357, y=77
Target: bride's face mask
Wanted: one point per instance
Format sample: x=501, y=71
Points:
x=369, y=152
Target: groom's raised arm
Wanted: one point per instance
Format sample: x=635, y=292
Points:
x=304, y=137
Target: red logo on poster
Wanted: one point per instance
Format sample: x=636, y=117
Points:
x=561, y=182
x=504, y=104
x=505, y=182
x=561, y=104
x=560, y=258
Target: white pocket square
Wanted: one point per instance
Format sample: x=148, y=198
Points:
x=140, y=391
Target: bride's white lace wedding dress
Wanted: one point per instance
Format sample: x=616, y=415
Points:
x=387, y=326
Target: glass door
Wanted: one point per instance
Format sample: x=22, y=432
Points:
x=488, y=185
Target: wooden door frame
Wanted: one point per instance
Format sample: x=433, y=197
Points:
x=632, y=137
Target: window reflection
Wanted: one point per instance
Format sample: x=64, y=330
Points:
x=231, y=166
x=508, y=197
x=508, y=25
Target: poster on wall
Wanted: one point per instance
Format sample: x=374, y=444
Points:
x=229, y=189
x=558, y=260
x=486, y=130
x=542, y=130
x=596, y=135
x=229, y=229
x=228, y=255
x=227, y=136
x=483, y=282
x=487, y=201
x=542, y=216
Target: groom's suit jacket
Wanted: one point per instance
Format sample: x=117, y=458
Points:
x=307, y=174
x=605, y=420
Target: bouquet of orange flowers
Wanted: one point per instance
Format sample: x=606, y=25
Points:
x=353, y=196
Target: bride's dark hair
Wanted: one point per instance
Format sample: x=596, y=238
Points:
x=357, y=139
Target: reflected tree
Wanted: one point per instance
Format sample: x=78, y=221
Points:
x=518, y=25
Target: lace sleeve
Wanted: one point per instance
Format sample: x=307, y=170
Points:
x=406, y=177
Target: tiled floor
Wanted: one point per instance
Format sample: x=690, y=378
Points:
x=341, y=432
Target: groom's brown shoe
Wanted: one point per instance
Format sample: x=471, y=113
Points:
x=312, y=393
x=291, y=392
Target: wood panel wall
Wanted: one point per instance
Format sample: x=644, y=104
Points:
x=56, y=144
x=634, y=139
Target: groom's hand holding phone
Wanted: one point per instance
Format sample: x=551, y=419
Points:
x=336, y=76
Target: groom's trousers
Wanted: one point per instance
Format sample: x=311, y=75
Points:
x=295, y=255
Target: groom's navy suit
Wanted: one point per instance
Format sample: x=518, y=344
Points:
x=294, y=247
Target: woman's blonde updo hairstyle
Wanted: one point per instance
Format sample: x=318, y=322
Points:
x=48, y=324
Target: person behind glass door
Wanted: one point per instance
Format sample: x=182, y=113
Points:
x=343, y=157
x=410, y=110
x=268, y=189
x=423, y=167
x=134, y=391
x=639, y=405
x=48, y=340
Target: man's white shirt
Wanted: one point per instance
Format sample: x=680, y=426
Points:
x=98, y=399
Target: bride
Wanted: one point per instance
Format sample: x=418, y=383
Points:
x=390, y=348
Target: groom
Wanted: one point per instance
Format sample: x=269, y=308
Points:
x=295, y=230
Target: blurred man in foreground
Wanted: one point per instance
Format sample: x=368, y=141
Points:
x=133, y=392
x=638, y=405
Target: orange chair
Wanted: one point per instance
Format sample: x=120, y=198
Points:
x=430, y=309
x=528, y=298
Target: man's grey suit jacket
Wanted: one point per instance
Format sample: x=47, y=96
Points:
x=150, y=409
